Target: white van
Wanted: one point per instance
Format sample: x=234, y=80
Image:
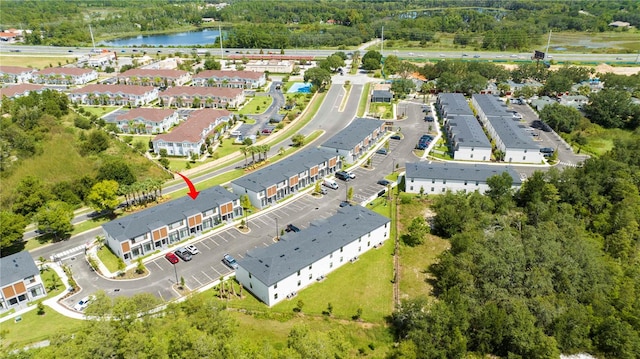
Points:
x=330, y=183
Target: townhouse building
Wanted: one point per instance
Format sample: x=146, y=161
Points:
x=102, y=59
x=15, y=74
x=200, y=97
x=146, y=120
x=20, y=281
x=23, y=89
x=439, y=177
x=231, y=79
x=355, y=139
x=115, y=95
x=189, y=136
x=154, y=77
x=279, y=271
x=509, y=135
x=466, y=138
x=64, y=76
x=166, y=224
x=268, y=185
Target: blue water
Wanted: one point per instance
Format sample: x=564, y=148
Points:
x=300, y=87
x=204, y=37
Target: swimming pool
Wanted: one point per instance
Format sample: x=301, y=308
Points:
x=300, y=87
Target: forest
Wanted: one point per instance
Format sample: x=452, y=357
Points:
x=489, y=24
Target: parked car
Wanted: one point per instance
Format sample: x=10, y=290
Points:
x=395, y=137
x=344, y=204
x=266, y=131
x=351, y=175
x=428, y=118
x=230, y=261
x=384, y=182
x=382, y=151
x=342, y=175
x=184, y=254
x=323, y=190
x=83, y=303
x=547, y=150
x=172, y=258
x=192, y=249
x=292, y=228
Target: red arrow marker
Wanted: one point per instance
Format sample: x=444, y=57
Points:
x=192, y=189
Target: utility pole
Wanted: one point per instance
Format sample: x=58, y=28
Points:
x=220, y=39
x=176, y=271
x=546, y=52
x=382, y=42
x=277, y=232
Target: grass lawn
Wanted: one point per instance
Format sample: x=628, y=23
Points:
x=256, y=105
x=109, y=259
x=99, y=110
x=90, y=224
x=362, y=106
x=599, y=140
x=38, y=62
x=34, y=327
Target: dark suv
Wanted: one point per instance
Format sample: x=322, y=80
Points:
x=292, y=228
x=343, y=176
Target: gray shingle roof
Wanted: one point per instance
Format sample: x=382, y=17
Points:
x=298, y=250
x=353, y=134
x=509, y=129
x=491, y=105
x=454, y=103
x=457, y=171
x=17, y=267
x=283, y=170
x=382, y=94
x=467, y=131
x=142, y=222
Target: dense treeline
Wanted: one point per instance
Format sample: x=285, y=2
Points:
x=553, y=268
x=490, y=24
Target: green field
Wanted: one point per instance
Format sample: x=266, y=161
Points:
x=38, y=62
x=256, y=105
x=33, y=328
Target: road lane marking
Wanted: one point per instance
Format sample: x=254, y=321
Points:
x=204, y=244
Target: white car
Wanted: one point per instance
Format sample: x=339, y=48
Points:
x=83, y=303
x=351, y=175
x=192, y=249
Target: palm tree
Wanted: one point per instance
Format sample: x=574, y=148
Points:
x=125, y=190
x=265, y=149
x=253, y=151
x=245, y=151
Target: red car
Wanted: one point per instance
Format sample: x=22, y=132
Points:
x=172, y=258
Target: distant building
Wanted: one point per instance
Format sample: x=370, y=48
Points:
x=154, y=77
x=232, y=79
x=188, y=137
x=15, y=74
x=270, y=184
x=381, y=96
x=147, y=120
x=20, y=90
x=20, y=281
x=199, y=97
x=65, y=76
x=101, y=59
x=355, y=139
x=575, y=101
x=114, y=95
x=509, y=134
x=279, y=271
x=161, y=226
x=438, y=177
x=272, y=66
x=619, y=24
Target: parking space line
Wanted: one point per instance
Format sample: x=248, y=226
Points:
x=212, y=240
x=260, y=219
x=204, y=244
x=265, y=244
x=229, y=233
x=215, y=270
x=196, y=279
x=158, y=265
x=206, y=275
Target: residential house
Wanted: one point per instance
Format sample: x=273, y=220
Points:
x=272, y=66
x=156, y=228
x=147, y=120
x=65, y=76
x=541, y=102
x=575, y=101
x=279, y=271
x=440, y=177
x=189, y=137
x=20, y=281
x=114, y=95
x=20, y=90
x=510, y=136
x=381, y=96
x=232, y=79
x=270, y=184
x=517, y=86
x=594, y=85
x=8, y=36
x=15, y=74
x=465, y=135
x=154, y=77
x=199, y=97
x=101, y=59
x=355, y=139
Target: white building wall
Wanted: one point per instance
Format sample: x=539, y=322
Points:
x=472, y=154
x=440, y=186
x=523, y=155
x=310, y=274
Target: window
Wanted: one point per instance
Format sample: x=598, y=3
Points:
x=412, y=180
x=309, y=267
x=275, y=296
x=369, y=243
x=341, y=259
x=275, y=286
x=444, y=181
x=331, y=255
x=331, y=265
x=298, y=272
x=411, y=188
x=310, y=276
x=433, y=180
x=250, y=278
x=298, y=283
x=359, y=240
x=359, y=249
x=465, y=183
x=251, y=285
x=30, y=279
x=432, y=189
x=341, y=248
x=13, y=301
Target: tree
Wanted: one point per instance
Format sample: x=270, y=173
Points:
x=318, y=76
x=12, y=227
x=211, y=64
x=317, y=187
x=118, y=170
x=332, y=63
x=298, y=140
x=561, y=118
x=557, y=84
x=55, y=218
x=500, y=191
x=371, y=60
x=613, y=109
x=402, y=87
x=416, y=232
x=96, y=141
x=32, y=195
x=391, y=65
x=349, y=194
x=104, y=196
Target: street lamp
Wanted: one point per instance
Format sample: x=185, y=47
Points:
x=277, y=233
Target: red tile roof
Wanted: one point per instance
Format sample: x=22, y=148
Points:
x=191, y=129
x=72, y=71
x=202, y=91
x=153, y=73
x=128, y=89
x=14, y=90
x=229, y=74
x=15, y=70
x=148, y=114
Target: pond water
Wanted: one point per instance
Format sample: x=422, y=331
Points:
x=191, y=38
x=300, y=87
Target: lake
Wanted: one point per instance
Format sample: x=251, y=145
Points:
x=191, y=38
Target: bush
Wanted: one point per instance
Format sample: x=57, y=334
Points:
x=82, y=123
